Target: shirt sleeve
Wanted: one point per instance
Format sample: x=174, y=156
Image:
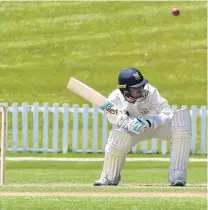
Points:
x=160, y=106
x=115, y=99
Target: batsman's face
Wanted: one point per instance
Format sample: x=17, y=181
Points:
x=136, y=93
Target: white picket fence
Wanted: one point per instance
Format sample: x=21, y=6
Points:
x=67, y=128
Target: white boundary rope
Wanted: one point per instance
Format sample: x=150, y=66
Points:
x=19, y=159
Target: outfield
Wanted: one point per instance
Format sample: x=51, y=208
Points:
x=43, y=44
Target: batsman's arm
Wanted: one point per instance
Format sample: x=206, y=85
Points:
x=161, y=107
x=112, y=98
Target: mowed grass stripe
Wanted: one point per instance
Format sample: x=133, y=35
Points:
x=123, y=188
x=66, y=185
x=63, y=39
x=112, y=195
x=102, y=203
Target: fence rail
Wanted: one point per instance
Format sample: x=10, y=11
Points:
x=81, y=129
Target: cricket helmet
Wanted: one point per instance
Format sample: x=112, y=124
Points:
x=132, y=78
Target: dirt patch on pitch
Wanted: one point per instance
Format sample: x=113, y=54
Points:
x=103, y=195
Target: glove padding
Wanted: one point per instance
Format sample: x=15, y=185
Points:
x=123, y=119
x=139, y=124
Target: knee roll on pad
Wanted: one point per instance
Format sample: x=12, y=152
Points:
x=181, y=124
x=119, y=142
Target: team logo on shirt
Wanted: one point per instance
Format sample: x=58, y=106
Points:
x=136, y=76
x=144, y=111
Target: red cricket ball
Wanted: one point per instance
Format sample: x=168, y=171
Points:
x=175, y=11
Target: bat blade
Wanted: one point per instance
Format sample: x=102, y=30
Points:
x=92, y=96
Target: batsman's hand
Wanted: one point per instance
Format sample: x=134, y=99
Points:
x=138, y=124
x=123, y=119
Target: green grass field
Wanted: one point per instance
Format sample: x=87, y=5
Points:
x=60, y=185
x=43, y=44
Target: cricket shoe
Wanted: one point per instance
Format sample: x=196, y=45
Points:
x=178, y=183
x=105, y=182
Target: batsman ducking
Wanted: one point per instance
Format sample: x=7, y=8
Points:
x=140, y=113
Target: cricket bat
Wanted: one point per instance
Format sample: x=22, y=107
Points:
x=93, y=96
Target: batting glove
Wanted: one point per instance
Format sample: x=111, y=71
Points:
x=138, y=124
x=122, y=119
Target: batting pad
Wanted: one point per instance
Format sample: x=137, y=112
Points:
x=180, y=146
x=116, y=150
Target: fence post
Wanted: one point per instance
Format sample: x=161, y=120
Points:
x=14, y=127
x=45, y=127
x=25, y=126
x=203, y=129
x=164, y=147
x=193, y=128
x=134, y=149
x=65, y=128
x=154, y=146
x=85, y=115
x=95, y=130
x=144, y=146
x=55, y=126
x=7, y=122
x=75, y=128
x=35, y=126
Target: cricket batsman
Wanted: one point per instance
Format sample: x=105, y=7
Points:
x=145, y=114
